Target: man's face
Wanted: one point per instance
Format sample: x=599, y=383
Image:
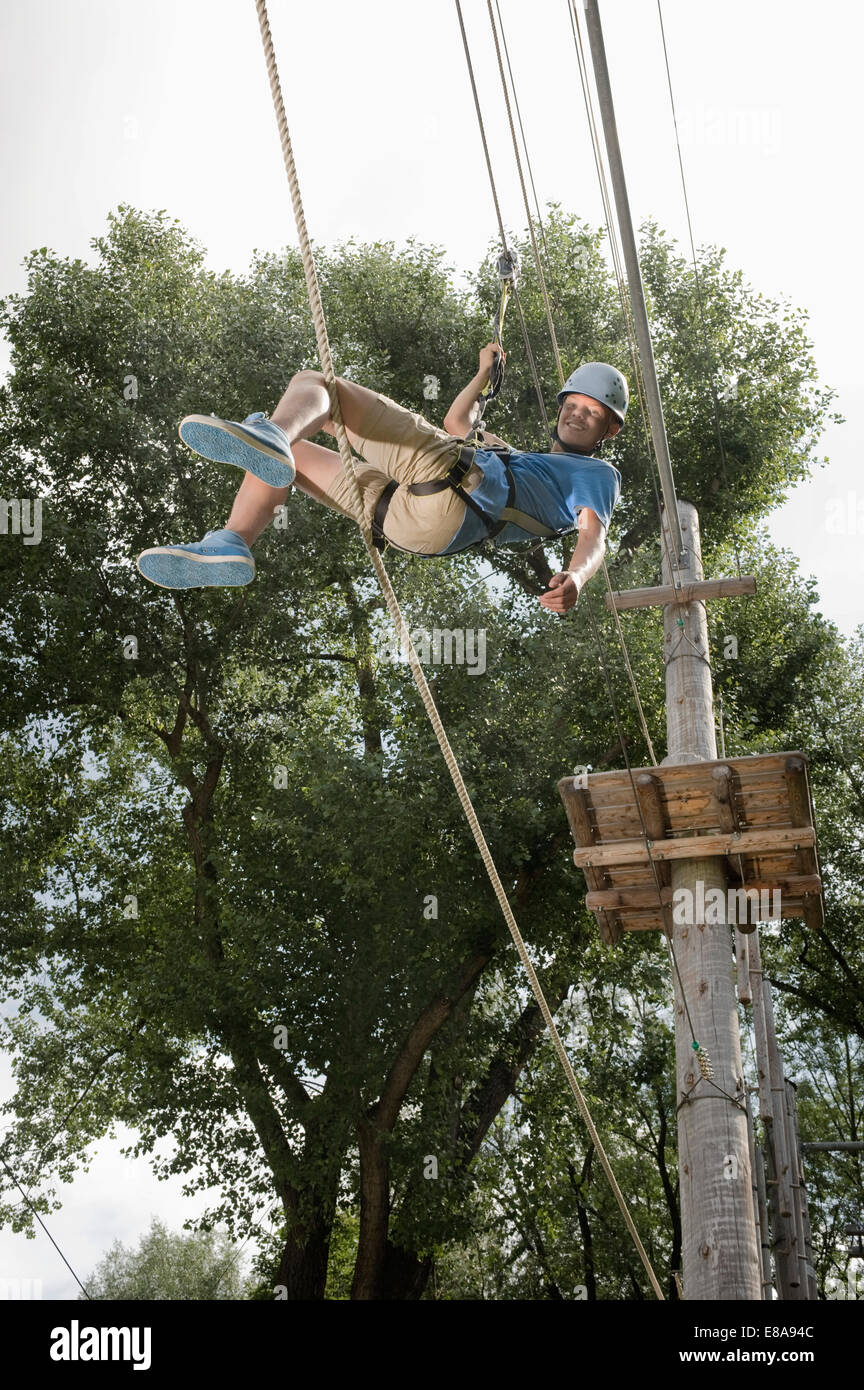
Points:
x=583, y=422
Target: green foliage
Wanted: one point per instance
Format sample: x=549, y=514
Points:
x=179, y=1267
x=220, y=850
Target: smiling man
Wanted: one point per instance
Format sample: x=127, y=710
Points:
x=424, y=489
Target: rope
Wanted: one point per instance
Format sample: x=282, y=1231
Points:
x=672, y=558
x=402, y=631
x=618, y=267
x=562, y=323
x=528, y=352
x=702, y=1056
x=542, y=281
x=35, y=1213
x=715, y=405
x=541, y=277
x=637, y=375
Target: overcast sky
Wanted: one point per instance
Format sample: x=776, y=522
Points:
x=165, y=104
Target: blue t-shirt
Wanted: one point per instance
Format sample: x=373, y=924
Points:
x=552, y=488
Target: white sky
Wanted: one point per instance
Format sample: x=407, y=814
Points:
x=165, y=104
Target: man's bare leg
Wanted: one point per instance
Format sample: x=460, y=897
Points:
x=256, y=503
x=303, y=410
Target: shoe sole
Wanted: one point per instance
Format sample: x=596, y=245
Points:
x=177, y=569
x=224, y=442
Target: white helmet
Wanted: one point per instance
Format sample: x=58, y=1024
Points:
x=602, y=383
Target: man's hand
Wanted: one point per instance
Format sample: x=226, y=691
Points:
x=563, y=593
x=465, y=410
x=487, y=358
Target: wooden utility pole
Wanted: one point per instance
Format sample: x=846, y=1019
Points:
x=720, y=1207
x=720, y=1254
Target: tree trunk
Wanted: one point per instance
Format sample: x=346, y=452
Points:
x=405, y=1274
x=374, y=1212
x=303, y=1265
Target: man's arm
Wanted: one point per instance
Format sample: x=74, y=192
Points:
x=565, y=588
x=462, y=415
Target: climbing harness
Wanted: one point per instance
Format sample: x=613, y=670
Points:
x=453, y=479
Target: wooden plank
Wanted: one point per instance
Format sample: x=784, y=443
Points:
x=754, y=765
x=632, y=899
x=576, y=807
x=608, y=831
x=800, y=814
x=722, y=802
x=695, y=591
x=629, y=896
x=694, y=846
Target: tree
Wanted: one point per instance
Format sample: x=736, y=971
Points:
x=240, y=905
x=165, y=1265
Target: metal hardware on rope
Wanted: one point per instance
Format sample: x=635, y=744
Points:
x=704, y=1061
x=537, y=261
x=508, y=270
x=402, y=631
x=528, y=351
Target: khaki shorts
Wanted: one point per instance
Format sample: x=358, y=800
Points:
x=398, y=445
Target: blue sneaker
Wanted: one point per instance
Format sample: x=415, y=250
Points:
x=257, y=446
x=222, y=558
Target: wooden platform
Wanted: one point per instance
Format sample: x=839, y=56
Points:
x=757, y=812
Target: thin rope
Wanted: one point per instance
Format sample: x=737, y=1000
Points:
x=562, y=322
x=630, y=328
x=671, y=557
x=402, y=631
x=542, y=281
x=538, y=263
x=617, y=261
x=711, y=383
x=44, y=1227
x=528, y=351
x=634, y=354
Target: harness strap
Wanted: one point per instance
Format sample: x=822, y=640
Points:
x=378, y=538
x=531, y=524
x=453, y=479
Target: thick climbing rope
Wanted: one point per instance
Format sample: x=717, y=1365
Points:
x=404, y=636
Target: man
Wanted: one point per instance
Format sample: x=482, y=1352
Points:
x=424, y=490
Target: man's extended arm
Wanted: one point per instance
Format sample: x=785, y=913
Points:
x=564, y=588
x=462, y=415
